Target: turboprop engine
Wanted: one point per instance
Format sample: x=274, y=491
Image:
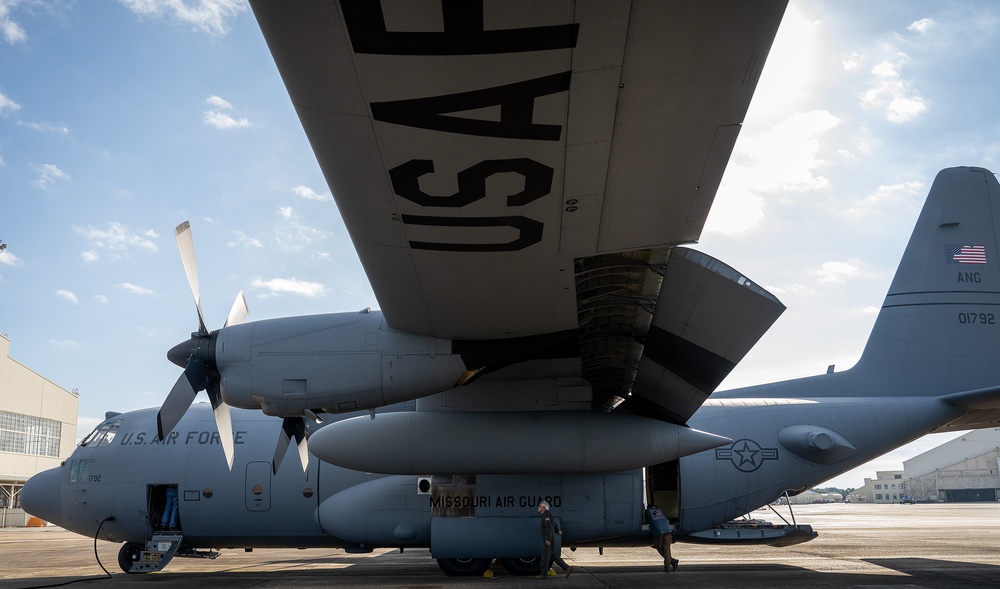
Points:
x=332, y=363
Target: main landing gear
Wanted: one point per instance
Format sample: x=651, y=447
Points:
x=472, y=567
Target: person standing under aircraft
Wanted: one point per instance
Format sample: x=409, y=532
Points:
x=662, y=536
x=549, y=553
x=170, y=510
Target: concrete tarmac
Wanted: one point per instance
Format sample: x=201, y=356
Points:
x=859, y=546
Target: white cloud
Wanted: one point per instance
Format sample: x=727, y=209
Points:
x=64, y=344
x=59, y=129
x=291, y=285
x=891, y=93
x=897, y=193
x=135, y=289
x=11, y=31
x=852, y=62
x=794, y=64
x=244, y=240
x=736, y=210
x=220, y=120
x=788, y=289
x=7, y=104
x=206, y=16
x=89, y=256
x=67, y=295
x=48, y=174
x=218, y=102
x=783, y=158
x=99, y=299
x=922, y=25
x=116, y=237
x=838, y=271
x=309, y=193
x=9, y=259
x=293, y=235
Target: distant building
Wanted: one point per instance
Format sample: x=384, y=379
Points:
x=964, y=469
x=806, y=497
x=888, y=486
x=37, y=429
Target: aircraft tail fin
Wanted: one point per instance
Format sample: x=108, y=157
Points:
x=938, y=331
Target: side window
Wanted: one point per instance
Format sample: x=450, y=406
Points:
x=79, y=470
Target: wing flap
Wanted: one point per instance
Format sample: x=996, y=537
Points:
x=707, y=318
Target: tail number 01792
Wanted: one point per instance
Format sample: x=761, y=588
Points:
x=976, y=319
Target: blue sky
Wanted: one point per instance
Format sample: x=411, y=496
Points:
x=119, y=120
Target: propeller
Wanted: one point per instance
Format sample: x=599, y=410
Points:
x=291, y=427
x=194, y=356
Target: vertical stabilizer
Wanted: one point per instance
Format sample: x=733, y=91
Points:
x=939, y=328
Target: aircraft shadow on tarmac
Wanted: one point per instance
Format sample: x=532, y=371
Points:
x=378, y=570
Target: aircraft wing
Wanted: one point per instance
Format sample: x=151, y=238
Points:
x=513, y=170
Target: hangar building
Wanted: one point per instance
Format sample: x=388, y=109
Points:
x=37, y=429
x=964, y=469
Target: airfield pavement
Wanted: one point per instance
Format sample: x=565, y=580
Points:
x=859, y=546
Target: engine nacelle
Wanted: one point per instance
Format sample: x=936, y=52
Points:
x=336, y=363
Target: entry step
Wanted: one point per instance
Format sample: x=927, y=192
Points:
x=159, y=550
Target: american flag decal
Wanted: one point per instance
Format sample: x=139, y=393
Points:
x=966, y=254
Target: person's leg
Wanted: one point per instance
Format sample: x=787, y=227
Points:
x=546, y=561
x=562, y=564
x=167, y=507
x=669, y=563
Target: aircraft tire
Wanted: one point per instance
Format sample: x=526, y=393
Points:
x=129, y=554
x=464, y=567
x=523, y=566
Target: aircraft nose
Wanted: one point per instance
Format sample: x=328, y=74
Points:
x=40, y=496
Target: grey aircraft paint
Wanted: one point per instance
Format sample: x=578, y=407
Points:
x=928, y=366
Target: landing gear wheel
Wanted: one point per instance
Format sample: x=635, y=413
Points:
x=522, y=566
x=130, y=554
x=464, y=567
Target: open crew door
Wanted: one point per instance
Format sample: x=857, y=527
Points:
x=663, y=488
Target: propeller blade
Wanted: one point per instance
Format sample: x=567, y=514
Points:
x=239, y=312
x=291, y=427
x=223, y=421
x=303, y=449
x=174, y=406
x=193, y=379
x=281, y=448
x=185, y=245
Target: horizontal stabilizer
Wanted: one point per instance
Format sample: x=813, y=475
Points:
x=983, y=409
x=988, y=398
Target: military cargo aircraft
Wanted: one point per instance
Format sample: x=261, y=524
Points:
x=516, y=178
x=375, y=478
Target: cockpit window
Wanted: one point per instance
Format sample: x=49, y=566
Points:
x=103, y=435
